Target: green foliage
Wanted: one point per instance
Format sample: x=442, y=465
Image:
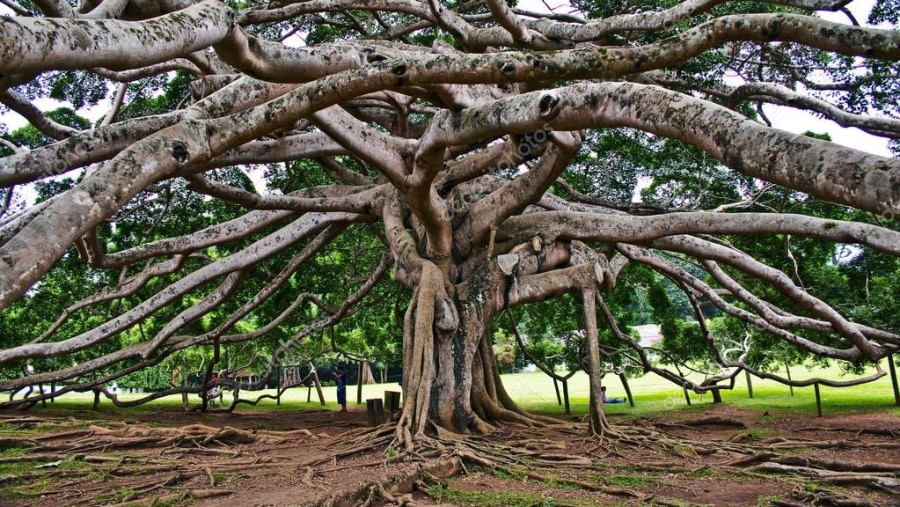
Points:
x=686, y=177
x=30, y=137
x=156, y=95
x=885, y=11
x=152, y=378
x=79, y=88
x=509, y=356
x=628, y=481
x=609, y=164
x=551, y=330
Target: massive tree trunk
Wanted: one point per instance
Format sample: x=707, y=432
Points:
x=452, y=379
x=443, y=356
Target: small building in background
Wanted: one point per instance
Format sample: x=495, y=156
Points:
x=246, y=378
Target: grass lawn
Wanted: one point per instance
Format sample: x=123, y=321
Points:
x=652, y=394
x=534, y=391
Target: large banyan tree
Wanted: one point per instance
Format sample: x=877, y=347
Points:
x=200, y=160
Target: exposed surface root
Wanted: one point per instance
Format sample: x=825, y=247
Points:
x=784, y=443
x=639, y=462
x=706, y=421
x=195, y=435
x=159, y=464
x=875, y=475
x=390, y=488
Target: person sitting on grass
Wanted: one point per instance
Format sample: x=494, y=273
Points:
x=609, y=400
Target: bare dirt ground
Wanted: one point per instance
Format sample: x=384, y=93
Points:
x=721, y=456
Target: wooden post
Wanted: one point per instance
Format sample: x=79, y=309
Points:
x=893, y=370
x=687, y=397
x=787, y=369
x=278, y=376
x=627, y=388
x=392, y=403
x=565, y=384
x=556, y=387
x=359, y=383
x=749, y=383
x=818, y=400
x=315, y=376
x=375, y=411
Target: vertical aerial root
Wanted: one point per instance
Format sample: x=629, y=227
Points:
x=419, y=324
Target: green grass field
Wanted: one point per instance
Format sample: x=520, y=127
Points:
x=534, y=391
x=653, y=394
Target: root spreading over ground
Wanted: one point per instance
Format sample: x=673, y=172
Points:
x=321, y=458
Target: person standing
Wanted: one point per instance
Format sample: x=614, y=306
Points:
x=341, y=389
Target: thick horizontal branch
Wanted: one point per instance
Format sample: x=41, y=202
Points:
x=293, y=9
x=79, y=150
x=128, y=76
x=543, y=286
x=855, y=333
x=264, y=248
x=273, y=62
x=362, y=200
x=599, y=28
x=819, y=168
x=222, y=233
x=31, y=45
x=616, y=228
x=100, y=144
x=775, y=93
x=282, y=149
x=644, y=256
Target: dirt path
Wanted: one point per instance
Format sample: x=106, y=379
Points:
x=720, y=456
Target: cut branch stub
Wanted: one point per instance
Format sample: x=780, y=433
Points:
x=508, y=263
x=600, y=268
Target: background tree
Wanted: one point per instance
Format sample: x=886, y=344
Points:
x=480, y=156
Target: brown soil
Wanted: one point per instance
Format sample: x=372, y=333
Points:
x=720, y=456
